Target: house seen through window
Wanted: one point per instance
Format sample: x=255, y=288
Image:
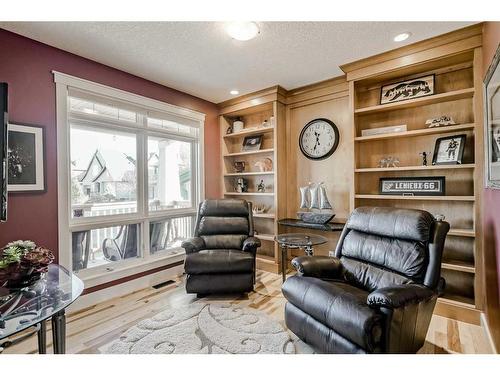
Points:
x=133, y=182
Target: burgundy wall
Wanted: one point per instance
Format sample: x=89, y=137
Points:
x=26, y=65
x=491, y=212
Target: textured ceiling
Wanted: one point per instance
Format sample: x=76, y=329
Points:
x=201, y=59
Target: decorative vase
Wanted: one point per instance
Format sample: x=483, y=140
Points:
x=238, y=126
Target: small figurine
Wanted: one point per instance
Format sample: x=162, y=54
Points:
x=440, y=121
x=229, y=129
x=241, y=185
x=261, y=188
x=388, y=162
x=424, y=158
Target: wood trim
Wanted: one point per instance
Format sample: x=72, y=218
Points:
x=413, y=48
x=266, y=95
x=457, y=312
x=417, y=58
x=129, y=278
x=479, y=147
x=336, y=87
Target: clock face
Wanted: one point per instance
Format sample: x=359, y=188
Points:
x=319, y=139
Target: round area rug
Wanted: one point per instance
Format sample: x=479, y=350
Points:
x=205, y=328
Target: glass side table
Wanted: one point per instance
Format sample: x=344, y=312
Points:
x=297, y=241
x=33, y=305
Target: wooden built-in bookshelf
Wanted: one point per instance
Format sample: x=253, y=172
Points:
x=457, y=94
x=253, y=110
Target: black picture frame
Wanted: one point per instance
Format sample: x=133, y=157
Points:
x=335, y=144
x=39, y=184
x=460, y=151
x=441, y=180
x=408, y=81
x=4, y=119
x=247, y=142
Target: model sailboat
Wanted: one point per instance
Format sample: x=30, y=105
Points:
x=314, y=198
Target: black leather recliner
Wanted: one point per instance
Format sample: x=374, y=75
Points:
x=378, y=293
x=221, y=256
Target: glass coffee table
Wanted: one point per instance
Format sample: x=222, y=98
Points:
x=297, y=241
x=31, y=306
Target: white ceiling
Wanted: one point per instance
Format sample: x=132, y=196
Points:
x=201, y=59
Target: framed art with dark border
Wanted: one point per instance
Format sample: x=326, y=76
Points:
x=252, y=143
x=492, y=123
x=449, y=150
x=25, y=166
x=411, y=186
x=406, y=90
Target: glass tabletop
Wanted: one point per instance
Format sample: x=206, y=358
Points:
x=23, y=308
x=300, y=239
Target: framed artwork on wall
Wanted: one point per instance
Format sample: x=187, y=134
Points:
x=409, y=89
x=492, y=123
x=25, y=167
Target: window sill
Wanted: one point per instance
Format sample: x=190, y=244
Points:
x=141, y=265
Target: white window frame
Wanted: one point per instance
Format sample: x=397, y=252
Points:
x=67, y=224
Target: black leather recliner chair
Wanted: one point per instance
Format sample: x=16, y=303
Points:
x=378, y=293
x=221, y=256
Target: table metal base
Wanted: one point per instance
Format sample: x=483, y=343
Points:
x=308, y=250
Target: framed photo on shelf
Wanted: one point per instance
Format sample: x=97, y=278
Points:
x=492, y=123
x=409, y=89
x=449, y=150
x=25, y=166
x=252, y=143
x=411, y=186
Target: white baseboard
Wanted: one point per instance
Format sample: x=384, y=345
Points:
x=126, y=288
x=486, y=328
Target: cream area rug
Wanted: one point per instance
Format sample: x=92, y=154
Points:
x=205, y=328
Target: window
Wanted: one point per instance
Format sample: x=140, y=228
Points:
x=132, y=168
x=170, y=169
x=103, y=171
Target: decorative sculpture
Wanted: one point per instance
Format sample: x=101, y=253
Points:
x=261, y=188
x=241, y=185
x=239, y=166
x=264, y=165
x=424, y=158
x=440, y=121
x=259, y=208
x=388, y=162
x=314, y=197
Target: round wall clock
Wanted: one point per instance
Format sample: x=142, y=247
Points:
x=319, y=139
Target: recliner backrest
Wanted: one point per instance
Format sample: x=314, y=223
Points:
x=382, y=247
x=224, y=223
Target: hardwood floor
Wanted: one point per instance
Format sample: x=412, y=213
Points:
x=92, y=328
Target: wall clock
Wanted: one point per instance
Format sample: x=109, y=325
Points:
x=319, y=139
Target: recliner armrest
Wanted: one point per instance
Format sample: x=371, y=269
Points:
x=251, y=244
x=322, y=267
x=400, y=295
x=193, y=245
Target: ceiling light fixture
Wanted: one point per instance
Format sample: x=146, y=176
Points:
x=234, y=92
x=402, y=36
x=242, y=30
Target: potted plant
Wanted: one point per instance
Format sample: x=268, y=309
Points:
x=22, y=262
